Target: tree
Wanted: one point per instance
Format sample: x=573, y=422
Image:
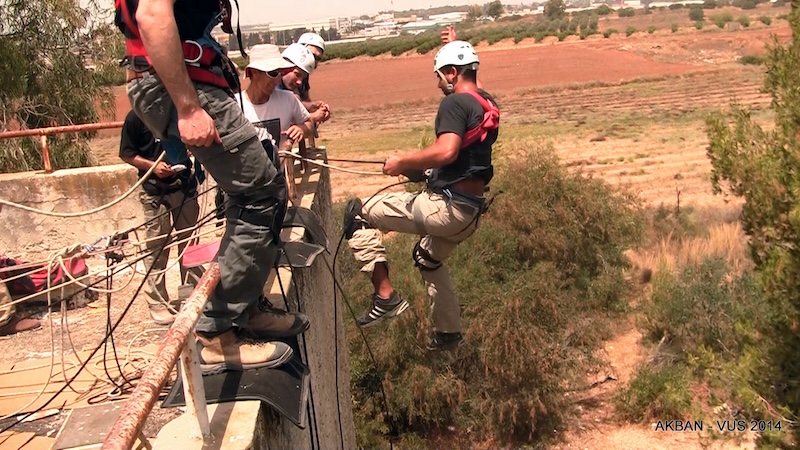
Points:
x=494, y=9
x=56, y=58
x=696, y=14
x=474, y=12
x=554, y=9
x=761, y=165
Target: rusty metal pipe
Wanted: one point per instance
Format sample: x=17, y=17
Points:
x=60, y=130
x=48, y=167
x=132, y=418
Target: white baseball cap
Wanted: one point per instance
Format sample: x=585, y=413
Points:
x=299, y=55
x=266, y=58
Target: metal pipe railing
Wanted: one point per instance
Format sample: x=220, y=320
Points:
x=178, y=342
x=44, y=132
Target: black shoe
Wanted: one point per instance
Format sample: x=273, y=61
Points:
x=382, y=309
x=445, y=341
x=352, y=220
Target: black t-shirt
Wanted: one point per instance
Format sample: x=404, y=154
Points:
x=137, y=139
x=191, y=16
x=457, y=114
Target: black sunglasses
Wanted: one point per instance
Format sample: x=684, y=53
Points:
x=273, y=73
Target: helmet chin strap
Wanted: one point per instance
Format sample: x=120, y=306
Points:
x=450, y=88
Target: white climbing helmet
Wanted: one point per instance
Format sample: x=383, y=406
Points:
x=312, y=39
x=299, y=55
x=456, y=53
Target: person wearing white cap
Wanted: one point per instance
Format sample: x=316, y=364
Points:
x=297, y=81
x=262, y=102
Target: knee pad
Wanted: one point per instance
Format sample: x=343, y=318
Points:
x=423, y=260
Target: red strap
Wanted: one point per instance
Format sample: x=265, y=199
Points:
x=491, y=121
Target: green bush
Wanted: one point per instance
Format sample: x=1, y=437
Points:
x=626, y=12
x=548, y=260
x=754, y=60
x=766, y=20
x=745, y=4
x=609, y=32
x=675, y=6
x=696, y=14
x=630, y=30
x=651, y=29
x=674, y=27
x=721, y=19
x=745, y=21
x=709, y=4
x=699, y=24
x=604, y=10
x=655, y=393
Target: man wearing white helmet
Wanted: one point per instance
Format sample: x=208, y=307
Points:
x=447, y=212
x=316, y=45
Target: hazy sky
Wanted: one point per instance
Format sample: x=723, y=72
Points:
x=262, y=11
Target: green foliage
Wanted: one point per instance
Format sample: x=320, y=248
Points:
x=674, y=27
x=630, y=30
x=626, y=12
x=709, y=4
x=721, y=19
x=699, y=24
x=651, y=29
x=493, y=9
x=660, y=393
x=745, y=21
x=761, y=165
x=475, y=12
x=609, y=32
x=696, y=14
x=46, y=46
x=675, y=6
x=537, y=285
x=604, y=10
x=745, y=4
x=766, y=20
x=554, y=9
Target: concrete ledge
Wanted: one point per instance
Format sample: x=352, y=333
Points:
x=234, y=426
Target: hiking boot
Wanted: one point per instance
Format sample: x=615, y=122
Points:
x=352, y=218
x=227, y=351
x=17, y=324
x=161, y=315
x=382, y=308
x=268, y=322
x=445, y=341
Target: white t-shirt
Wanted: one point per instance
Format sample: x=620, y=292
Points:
x=282, y=105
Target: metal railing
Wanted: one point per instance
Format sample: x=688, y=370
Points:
x=178, y=341
x=44, y=132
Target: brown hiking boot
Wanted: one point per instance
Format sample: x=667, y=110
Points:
x=268, y=322
x=227, y=351
x=18, y=324
x=161, y=315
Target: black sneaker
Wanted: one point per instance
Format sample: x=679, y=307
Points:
x=382, y=309
x=445, y=341
x=352, y=220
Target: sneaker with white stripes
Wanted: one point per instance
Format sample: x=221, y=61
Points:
x=382, y=308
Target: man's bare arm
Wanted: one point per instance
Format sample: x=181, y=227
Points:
x=159, y=32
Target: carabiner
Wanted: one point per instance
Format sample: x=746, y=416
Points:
x=194, y=61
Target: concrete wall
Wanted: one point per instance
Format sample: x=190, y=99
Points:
x=33, y=236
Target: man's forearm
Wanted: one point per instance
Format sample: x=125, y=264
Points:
x=159, y=32
x=431, y=157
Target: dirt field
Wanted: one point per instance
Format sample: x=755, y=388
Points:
x=630, y=110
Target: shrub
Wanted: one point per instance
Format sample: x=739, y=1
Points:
x=696, y=14
x=660, y=393
x=609, y=32
x=651, y=29
x=548, y=260
x=709, y=4
x=778, y=3
x=745, y=21
x=674, y=27
x=604, y=10
x=745, y=4
x=675, y=6
x=699, y=24
x=626, y=12
x=752, y=60
x=630, y=30
x=721, y=19
x=766, y=20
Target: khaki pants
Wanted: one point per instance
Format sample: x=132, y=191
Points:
x=442, y=223
x=6, y=309
x=158, y=211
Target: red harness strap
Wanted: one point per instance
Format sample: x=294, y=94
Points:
x=491, y=121
x=198, y=58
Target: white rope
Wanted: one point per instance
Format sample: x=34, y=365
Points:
x=91, y=211
x=322, y=164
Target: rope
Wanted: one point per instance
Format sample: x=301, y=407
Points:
x=322, y=164
x=91, y=211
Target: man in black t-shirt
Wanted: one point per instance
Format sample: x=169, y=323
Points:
x=166, y=194
x=446, y=212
